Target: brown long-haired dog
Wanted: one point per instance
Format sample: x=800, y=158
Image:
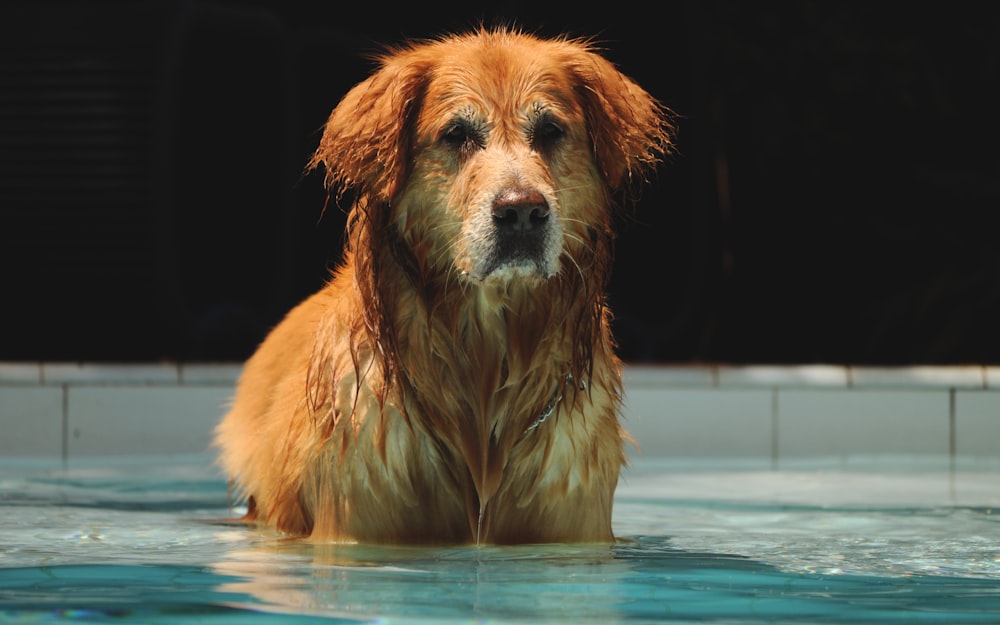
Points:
x=456, y=381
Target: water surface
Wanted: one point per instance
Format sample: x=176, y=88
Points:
x=146, y=541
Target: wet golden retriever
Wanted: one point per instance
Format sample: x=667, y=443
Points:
x=456, y=380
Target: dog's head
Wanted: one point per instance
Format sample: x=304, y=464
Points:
x=492, y=155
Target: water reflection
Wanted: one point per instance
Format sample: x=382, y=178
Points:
x=575, y=583
x=644, y=580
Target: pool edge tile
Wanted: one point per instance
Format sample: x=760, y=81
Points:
x=667, y=376
x=109, y=373
x=222, y=373
x=920, y=376
x=782, y=376
x=12, y=372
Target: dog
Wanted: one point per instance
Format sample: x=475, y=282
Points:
x=455, y=381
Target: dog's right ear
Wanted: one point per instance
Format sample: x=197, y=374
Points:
x=629, y=128
x=367, y=136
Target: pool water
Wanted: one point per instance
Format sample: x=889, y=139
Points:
x=147, y=541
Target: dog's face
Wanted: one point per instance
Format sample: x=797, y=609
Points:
x=493, y=155
x=502, y=166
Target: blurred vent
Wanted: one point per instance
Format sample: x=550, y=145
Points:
x=74, y=159
x=76, y=147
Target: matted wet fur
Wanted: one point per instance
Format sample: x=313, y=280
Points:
x=456, y=381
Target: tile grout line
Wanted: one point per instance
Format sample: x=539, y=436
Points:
x=65, y=422
x=952, y=426
x=775, y=419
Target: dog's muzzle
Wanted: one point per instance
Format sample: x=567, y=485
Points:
x=522, y=235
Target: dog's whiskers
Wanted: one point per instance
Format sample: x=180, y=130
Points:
x=452, y=269
x=447, y=224
x=579, y=270
x=573, y=188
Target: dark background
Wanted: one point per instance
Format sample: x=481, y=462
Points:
x=833, y=197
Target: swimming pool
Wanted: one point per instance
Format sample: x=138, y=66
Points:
x=144, y=540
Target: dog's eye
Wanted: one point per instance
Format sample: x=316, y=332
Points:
x=546, y=134
x=455, y=134
x=459, y=135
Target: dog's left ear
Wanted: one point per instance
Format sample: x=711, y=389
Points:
x=367, y=136
x=629, y=128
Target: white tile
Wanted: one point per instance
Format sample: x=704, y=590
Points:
x=992, y=377
x=783, y=377
x=977, y=423
x=31, y=420
x=216, y=374
x=971, y=376
x=130, y=420
x=101, y=373
x=20, y=372
x=869, y=422
x=700, y=422
x=649, y=376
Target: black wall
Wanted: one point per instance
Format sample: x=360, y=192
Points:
x=832, y=198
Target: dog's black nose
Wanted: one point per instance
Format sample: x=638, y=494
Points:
x=520, y=210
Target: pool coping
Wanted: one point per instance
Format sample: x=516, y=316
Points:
x=771, y=413
x=668, y=375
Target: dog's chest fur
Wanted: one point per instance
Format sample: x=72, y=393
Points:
x=474, y=438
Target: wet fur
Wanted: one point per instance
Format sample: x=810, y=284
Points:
x=435, y=391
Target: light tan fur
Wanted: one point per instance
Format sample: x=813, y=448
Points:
x=444, y=388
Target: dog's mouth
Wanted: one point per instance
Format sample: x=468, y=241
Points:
x=503, y=267
x=522, y=238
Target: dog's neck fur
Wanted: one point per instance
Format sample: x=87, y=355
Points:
x=478, y=364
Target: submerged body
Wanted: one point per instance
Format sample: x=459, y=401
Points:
x=456, y=381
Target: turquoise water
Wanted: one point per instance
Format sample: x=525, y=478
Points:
x=129, y=541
